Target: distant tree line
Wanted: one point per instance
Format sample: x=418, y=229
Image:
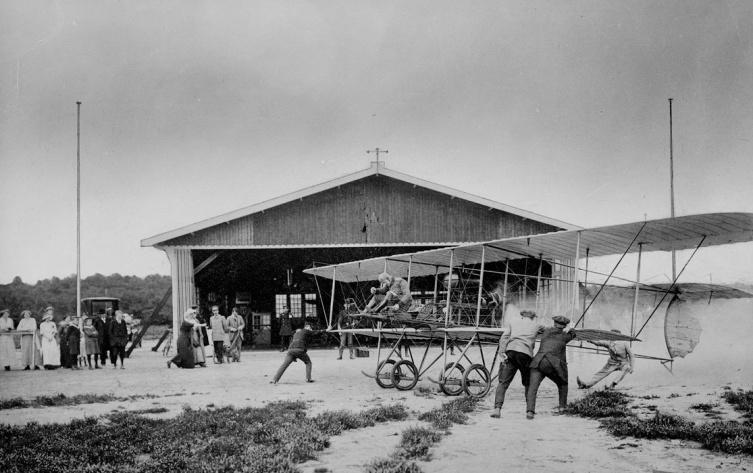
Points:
x=136, y=294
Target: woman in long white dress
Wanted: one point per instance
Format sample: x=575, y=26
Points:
x=7, y=346
x=50, y=344
x=30, y=342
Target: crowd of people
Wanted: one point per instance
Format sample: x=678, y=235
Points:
x=73, y=342
x=227, y=338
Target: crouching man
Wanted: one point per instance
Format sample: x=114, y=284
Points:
x=297, y=351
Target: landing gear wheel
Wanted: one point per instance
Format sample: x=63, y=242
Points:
x=452, y=379
x=384, y=374
x=477, y=381
x=404, y=375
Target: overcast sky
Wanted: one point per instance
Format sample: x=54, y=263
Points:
x=192, y=109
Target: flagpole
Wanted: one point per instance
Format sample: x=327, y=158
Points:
x=672, y=187
x=78, y=209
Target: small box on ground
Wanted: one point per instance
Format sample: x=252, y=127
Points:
x=362, y=353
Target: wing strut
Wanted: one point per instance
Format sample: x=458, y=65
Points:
x=604, y=284
x=637, y=290
x=672, y=286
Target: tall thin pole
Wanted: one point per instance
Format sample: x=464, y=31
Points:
x=672, y=185
x=78, y=209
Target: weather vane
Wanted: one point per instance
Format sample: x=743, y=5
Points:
x=377, y=151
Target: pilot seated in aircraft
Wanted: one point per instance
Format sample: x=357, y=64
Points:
x=392, y=294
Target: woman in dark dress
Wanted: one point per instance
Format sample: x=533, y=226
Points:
x=74, y=343
x=65, y=354
x=185, y=356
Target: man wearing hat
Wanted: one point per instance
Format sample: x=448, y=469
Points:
x=516, y=346
x=393, y=294
x=620, y=359
x=550, y=362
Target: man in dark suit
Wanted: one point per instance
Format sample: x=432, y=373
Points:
x=550, y=362
x=101, y=324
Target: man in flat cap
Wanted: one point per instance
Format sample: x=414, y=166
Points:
x=550, y=362
x=516, y=348
x=620, y=359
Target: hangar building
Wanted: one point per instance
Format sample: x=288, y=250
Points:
x=253, y=257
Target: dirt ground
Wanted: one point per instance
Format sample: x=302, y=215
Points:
x=549, y=443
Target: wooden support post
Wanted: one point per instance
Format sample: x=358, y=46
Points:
x=504, y=291
x=576, y=290
x=480, y=285
x=410, y=263
x=332, y=297
x=637, y=289
x=538, y=282
x=436, y=284
x=449, y=290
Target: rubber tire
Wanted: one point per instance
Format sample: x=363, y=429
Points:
x=452, y=390
x=485, y=374
x=386, y=382
x=398, y=375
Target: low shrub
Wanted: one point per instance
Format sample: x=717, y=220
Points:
x=727, y=436
x=661, y=426
x=385, y=413
x=416, y=442
x=150, y=410
x=453, y=412
x=600, y=404
x=741, y=400
x=63, y=400
x=392, y=465
x=704, y=406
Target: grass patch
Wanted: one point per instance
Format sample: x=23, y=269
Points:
x=416, y=442
x=741, y=400
x=274, y=438
x=453, y=412
x=725, y=436
x=334, y=422
x=392, y=465
x=601, y=404
x=150, y=410
x=703, y=406
x=63, y=400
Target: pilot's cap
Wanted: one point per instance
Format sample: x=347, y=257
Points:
x=384, y=277
x=561, y=319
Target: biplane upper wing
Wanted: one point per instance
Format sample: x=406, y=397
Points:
x=700, y=291
x=679, y=233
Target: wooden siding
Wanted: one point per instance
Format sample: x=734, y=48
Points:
x=373, y=210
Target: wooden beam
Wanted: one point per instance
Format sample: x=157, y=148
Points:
x=206, y=262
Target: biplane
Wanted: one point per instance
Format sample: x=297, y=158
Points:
x=461, y=292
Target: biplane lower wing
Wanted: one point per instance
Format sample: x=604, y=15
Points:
x=485, y=334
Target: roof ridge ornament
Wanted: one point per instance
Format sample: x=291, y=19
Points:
x=377, y=164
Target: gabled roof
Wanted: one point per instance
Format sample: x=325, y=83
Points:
x=376, y=168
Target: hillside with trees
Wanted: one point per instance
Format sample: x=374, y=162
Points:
x=136, y=294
